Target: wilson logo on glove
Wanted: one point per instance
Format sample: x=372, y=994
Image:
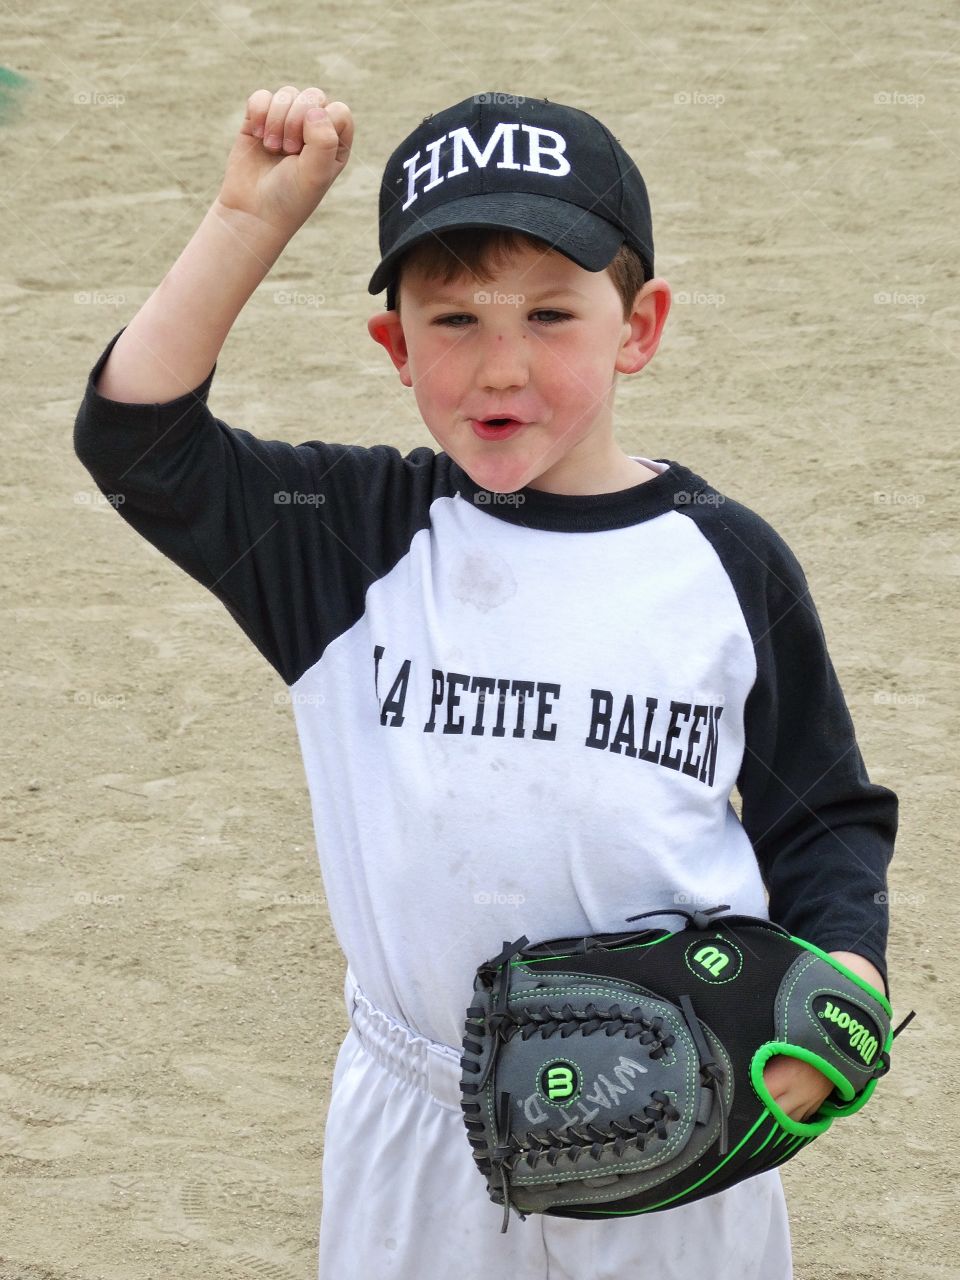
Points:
x=714, y=961
x=858, y=1035
x=695, y=1117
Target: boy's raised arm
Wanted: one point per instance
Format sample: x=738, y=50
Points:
x=284, y=160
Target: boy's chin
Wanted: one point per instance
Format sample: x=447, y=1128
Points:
x=489, y=465
x=498, y=475
x=495, y=484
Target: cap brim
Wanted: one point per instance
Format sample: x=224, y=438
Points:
x=588, y=240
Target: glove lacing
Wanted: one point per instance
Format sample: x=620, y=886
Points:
x=712, y=1074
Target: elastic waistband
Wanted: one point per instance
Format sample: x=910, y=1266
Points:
x=427, y=1064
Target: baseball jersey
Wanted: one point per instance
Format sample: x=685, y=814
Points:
x=519, y=713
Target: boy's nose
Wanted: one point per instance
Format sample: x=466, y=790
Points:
x=504, y=362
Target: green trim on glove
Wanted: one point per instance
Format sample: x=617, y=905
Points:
x=801, y=1128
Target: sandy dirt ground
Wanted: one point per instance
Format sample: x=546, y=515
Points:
x=171, y=997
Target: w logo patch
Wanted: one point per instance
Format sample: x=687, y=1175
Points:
x=714, y=960
x=560, y=1082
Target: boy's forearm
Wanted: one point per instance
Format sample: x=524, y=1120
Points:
x=174, y=340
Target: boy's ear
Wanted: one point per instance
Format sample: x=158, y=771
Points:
x=385, y=328
x=643, y=329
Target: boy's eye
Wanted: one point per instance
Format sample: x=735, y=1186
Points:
x=543, y=316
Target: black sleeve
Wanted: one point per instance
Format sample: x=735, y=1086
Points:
x=287, y=537
x=822, y=832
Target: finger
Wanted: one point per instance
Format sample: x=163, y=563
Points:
x=341, y=119
x=324, y=150
x=777, y=1075
x=803, y=1112
x=801, y=1102
x=256, y=113
x=282, y=101
x=343, y=122
x=293, y=126
x=794, y=1104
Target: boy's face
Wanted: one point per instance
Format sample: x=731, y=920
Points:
x=541, y=343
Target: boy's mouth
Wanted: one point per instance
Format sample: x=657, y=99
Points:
x=493, y=428
x=502, y=420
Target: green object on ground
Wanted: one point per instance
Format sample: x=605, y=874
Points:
x=10, y=86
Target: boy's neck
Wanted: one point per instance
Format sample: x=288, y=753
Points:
x=624, y=474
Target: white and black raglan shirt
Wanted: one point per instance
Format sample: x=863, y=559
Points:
x=519, y=713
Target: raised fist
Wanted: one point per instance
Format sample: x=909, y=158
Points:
x=291, y=148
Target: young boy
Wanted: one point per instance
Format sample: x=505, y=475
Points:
x=528, y=669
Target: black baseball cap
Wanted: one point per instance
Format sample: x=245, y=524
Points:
x=502, y=160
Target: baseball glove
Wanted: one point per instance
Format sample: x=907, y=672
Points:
x=623, y=1073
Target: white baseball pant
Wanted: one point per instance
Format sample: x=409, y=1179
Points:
x=402, y=1197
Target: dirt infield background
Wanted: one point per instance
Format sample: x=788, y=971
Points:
x=171, y=1004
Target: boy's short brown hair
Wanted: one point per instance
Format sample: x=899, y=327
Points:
x=478, y=251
